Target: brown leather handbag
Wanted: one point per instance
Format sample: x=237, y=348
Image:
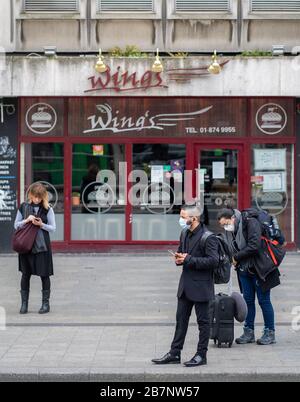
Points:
x=24, y=238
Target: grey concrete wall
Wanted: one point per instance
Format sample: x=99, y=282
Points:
x=298, y=176
x=88, y=30
x=6, y=26
x=67, y=76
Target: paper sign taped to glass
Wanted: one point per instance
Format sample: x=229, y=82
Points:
x=274, y=182
x=270, y=159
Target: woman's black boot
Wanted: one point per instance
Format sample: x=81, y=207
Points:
x=24, y=298
x=45, y=304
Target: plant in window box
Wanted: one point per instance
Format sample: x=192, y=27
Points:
x=75, y=199
x=129, y=51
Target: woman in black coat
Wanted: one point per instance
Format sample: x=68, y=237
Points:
x=39, y=261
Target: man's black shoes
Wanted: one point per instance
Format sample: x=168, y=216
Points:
x=167, y=359
x=197, y=360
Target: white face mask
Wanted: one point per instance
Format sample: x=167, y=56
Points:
x=229, y=228
x=183, y=223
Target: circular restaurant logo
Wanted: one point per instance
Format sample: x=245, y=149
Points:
x=271, y=119
x=41, y=118
x=98, y=198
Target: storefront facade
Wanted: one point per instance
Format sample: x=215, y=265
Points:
x=244, y=149
x=90, y=143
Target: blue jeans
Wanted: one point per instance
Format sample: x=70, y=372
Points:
x=250, y=287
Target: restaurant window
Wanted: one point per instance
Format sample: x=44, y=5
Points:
x=98, y=199
x=273, y=184
x=157, y=205
x=44, y=162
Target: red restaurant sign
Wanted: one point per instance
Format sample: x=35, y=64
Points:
x=125, y=81
x=122, y=81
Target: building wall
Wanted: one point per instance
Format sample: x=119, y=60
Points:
x=298, y=167
x=87, y=30
x=71, y=76
x=7, y=40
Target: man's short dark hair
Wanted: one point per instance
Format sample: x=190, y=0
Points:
x=226, y=213
x=193, y=210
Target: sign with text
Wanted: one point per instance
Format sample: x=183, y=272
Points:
x=8, y=171
x=157, y=117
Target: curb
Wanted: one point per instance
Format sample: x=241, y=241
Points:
x=150, y=375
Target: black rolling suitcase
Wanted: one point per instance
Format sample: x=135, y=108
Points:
x=222, y=320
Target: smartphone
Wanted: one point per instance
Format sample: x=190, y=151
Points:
x=171, y=252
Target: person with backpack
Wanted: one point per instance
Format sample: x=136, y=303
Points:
x=38, y=261
x=196, y=286
x=244, y=237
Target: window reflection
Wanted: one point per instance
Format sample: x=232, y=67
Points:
x=98, y=200
x=155, y=214
x=44, y=162
x=273, y=183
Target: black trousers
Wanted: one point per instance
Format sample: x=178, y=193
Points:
x=184, y=309
x=25, y=282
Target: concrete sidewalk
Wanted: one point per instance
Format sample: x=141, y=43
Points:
x=110, y=315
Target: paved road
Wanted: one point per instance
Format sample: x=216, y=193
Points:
x=111, y=314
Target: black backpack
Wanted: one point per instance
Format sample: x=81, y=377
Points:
x=272, y=237
x=268, y=223
x=222, y=272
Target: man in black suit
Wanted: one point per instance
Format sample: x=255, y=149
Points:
x=196, y=286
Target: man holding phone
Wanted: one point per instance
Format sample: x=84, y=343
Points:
x=196, y=286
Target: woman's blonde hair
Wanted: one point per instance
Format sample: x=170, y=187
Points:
x=40, y=191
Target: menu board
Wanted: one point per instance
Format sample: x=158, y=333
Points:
x=8, y=171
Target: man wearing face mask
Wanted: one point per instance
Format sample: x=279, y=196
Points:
x=196, y=286
x=244, y=241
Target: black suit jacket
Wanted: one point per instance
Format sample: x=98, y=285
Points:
x=196, y=280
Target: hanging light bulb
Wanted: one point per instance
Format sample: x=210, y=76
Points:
x=157, y=65
x=100, y=66
x=215, y=67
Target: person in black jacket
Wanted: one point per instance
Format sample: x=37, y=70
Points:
x=39, y=260
x=196, y=286
x=243, y=233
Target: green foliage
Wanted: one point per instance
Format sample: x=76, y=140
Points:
x=256, y=53
x=179, y=55
x=129, y=51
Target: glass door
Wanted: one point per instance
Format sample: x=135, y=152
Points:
x=219, y=181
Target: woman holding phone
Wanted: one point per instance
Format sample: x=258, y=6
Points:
x=39, y=261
